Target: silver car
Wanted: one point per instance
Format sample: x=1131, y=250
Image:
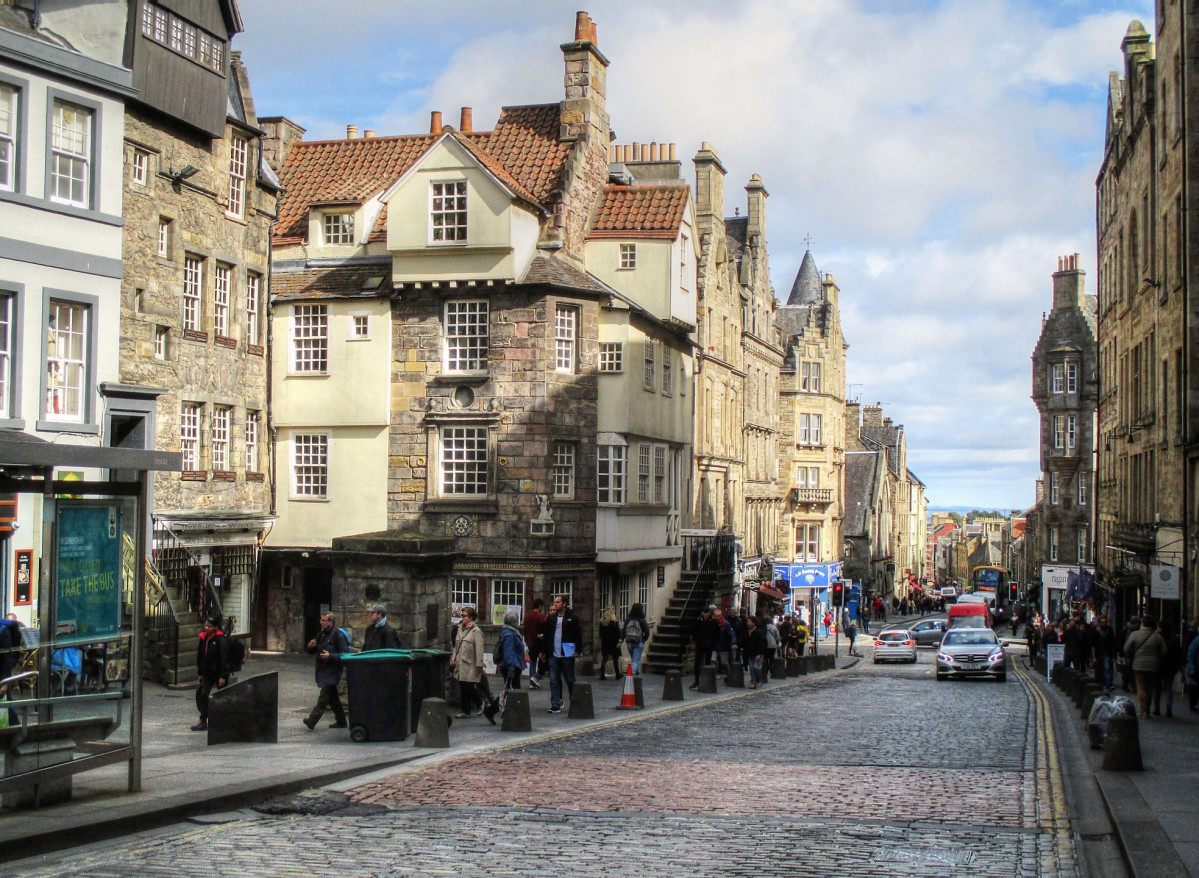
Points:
x=895, y=644
x=971, y=652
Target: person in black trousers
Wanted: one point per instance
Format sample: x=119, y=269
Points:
x=705, y=633
x=212, y=665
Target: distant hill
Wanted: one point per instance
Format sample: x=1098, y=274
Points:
x=963, y=510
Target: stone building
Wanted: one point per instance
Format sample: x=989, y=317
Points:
x=199, y=203
x=812, y=410
x=738, y=471
x=1065, y=388
x=437, y=366
x=1147, y=412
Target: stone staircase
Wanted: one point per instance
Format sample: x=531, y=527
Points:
x=671, y=640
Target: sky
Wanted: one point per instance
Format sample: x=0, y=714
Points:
x=940, y=156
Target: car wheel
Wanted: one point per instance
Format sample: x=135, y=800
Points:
x=913, y=659
x=1003, y=677
x=940, y=677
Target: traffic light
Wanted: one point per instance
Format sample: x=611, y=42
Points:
x=1014, y=591
x=838, y=594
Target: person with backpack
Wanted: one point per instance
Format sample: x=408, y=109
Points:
x=635, y=632
x=609, y=638
x=725, y=641
x=511, y=658
x=212, y=665
x=328, y=645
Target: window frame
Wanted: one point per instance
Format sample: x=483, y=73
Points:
x=252, y=433
x=89, y=158
x=612, y=470
x=11, y=296
x=85, y=421
x=1071, y=377
x=1059, y=431
x=191, y=436
x=645, y=454
x=667, y=370
x=337, y=228
x=220, y=429
x=1082, y=489
x=811, y=429
x=626, y=257
x=807, y=535
x=649, y=373
x=139, y=167
x=239, y=164
x=507, y=588
x=611, y=357
x=661, y=467
x=253, y=309
x=810, y=375
x=317, y=475
x=460, y=227
x=309, y=352
x=193, y=293
x=14, y=138
x=563, y=457
x=566, y=338
x=1057, y=379
x=466, y=467
x=163, y=246
x=471, y=355
x=222, y=298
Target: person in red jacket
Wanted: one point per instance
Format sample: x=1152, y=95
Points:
x=212, y=664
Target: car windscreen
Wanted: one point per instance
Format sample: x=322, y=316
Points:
x=893, y=636
x=969, y=638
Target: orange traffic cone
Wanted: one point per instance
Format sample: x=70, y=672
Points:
x=628, y=700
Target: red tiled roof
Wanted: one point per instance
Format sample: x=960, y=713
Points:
x=348, y=281
x=640, y=212
x=523, y=152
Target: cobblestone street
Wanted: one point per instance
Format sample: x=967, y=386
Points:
x=876, y=770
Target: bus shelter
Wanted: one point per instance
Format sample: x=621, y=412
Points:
x=90, y=591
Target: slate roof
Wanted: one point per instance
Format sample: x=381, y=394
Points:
x=346, y=281
x=861, y=472
x=736, y=228
x=523, y=152
x=555, y=272
x=18, y=20
x=639, y=211
x=808, y=289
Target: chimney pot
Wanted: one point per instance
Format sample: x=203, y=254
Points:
x=368, y=133
x=351, y=132
x=653, y=151
x=582, y=31
x=468, y=122
x=672, y=152
x=435, y=122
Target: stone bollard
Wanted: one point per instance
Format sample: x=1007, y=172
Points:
x=672, y=687
x=736, y=677
x=517, y=716
x=778, y=668
x=707, y=680
x=432, y=729
x=1081, y=681
x=1060, y=674
x=830, y=662
x=1122, y=744
x=581, y=704
x=1090, y=693
x=802, y=666
x=792, y=666
x=638, y=691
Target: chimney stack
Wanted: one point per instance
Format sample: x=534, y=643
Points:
x=1069, y=290
x=709, y=182
x=368, y=133
x=435, y=122
x=468, y=123
x=351, y=132
x=756, y=209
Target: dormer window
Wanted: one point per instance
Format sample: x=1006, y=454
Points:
x=339, y=228
x=447, y=212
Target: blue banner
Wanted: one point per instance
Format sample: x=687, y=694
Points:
x=808, y=575
x=88, y=570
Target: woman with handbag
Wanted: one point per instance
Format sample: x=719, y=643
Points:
x=468, y=663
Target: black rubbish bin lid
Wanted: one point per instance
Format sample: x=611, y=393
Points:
x=381, y=655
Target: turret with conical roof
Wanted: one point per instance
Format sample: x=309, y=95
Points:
x=808, y=288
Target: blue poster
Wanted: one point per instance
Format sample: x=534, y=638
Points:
x=88, y=570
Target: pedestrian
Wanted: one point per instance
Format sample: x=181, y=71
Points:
x=1170, y=664
x=609, y=636
x=784, y=628
x=468, y=664
x=724, y=644
x=801, y=636
x=1015, y=622
x=772, y=646
x=754, y=649
x=1192, y=674
x=328, y=645
x=852, y=633
x=1076, y=644
x=379, y=633
x=635, y=634
x=534, y=619
x=1127, y=678
x=1104, y=649
x=704, y=632
x=513, y=659
x=212, y=666
x=1145, y=651
x=10, y=657
x=740, y=631
x=562, y=636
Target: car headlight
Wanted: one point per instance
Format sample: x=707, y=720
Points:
x=996, y=655
x=944, y=657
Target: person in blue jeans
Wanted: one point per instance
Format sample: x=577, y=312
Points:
x=635, y=633
x=562, y=636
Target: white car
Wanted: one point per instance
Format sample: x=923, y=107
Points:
x=895, y=645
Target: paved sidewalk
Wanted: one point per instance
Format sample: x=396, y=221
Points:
x=182, y=776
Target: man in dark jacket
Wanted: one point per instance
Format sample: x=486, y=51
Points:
x=328, y=645
x=705, y=633
x=562, y=640
x=380, y=635
x=534, y=619
x=10, y=657
x=212, y=665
